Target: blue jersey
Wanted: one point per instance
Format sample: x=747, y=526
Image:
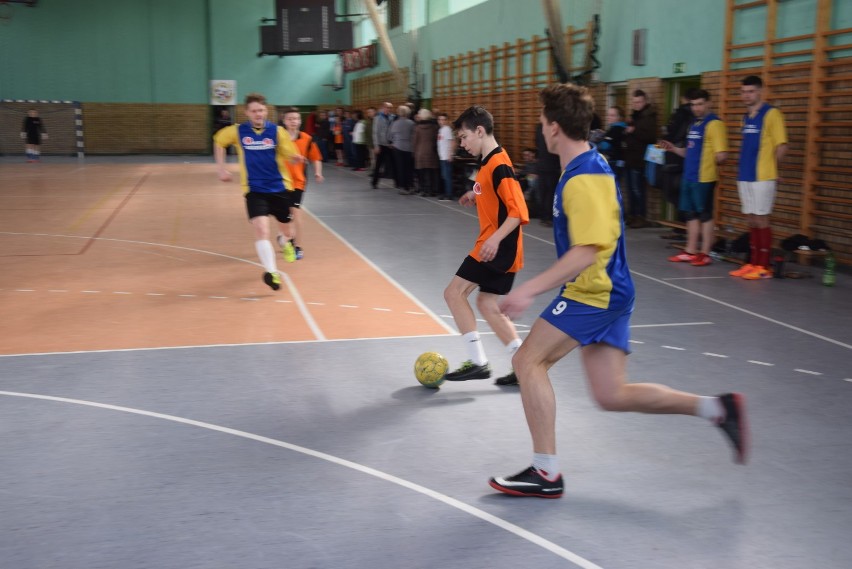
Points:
x=706, y=138
x=588, y=210
x=263, y=154
x=762, y=134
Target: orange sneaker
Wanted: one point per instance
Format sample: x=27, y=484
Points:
x=682, y=258
x=758, y=273
x=744, y=270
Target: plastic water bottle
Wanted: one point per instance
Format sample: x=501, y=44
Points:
x=828, y=276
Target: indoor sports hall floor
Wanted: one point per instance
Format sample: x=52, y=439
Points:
x=162, y=408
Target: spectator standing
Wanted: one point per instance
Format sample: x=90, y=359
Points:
x=322, y=134
x=675, y=132
x=446, y=149
x=425, y=145
x=401, y=136
x=640, y=132
x=382, y=149
x=548, y=176
x=612, y=144
x=359, y=142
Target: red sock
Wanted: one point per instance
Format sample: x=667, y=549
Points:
x=753, y=238
x=765, y=246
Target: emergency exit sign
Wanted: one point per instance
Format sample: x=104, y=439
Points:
x=679, y=67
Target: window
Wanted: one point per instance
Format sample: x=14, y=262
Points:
x=394, y=13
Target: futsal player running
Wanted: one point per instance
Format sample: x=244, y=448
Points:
x=263, y=150
x=498, y=253
x=592, y=310
x=306, y=147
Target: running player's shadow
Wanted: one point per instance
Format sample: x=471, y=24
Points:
x=416, y=393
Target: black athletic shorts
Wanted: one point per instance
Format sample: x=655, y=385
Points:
x=261, y=204
x=488, y=279
x=296, y=198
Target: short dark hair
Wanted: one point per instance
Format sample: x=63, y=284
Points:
x=439, y=115
x=473, y=117
x=640, y=93
x=619, y=110
x=753, y=80
x=698, y=94
x=255, y=98
x=570, y=106
x=289, y=110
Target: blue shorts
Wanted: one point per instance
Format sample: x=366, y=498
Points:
x=590, y=325
x=696, y=197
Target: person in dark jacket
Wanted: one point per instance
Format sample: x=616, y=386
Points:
x=675, y=132
x=640, y=132
x=549, y=170
x=612, y=145
x=425, y=145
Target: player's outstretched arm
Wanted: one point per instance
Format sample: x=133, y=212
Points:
x=571, y=264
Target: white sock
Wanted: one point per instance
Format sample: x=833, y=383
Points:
x=711, y=408
x=546, y=464
x=266, y=254
x=513, y=346
x=475, y=351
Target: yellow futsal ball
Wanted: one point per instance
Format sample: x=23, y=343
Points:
x=430, y=369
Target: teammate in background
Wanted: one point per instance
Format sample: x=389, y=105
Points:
x=33, y=131
x=263, y=150
x=592, y=310
x=706, y=148
x=498, y=253
x=306, y=147
x=764, y=145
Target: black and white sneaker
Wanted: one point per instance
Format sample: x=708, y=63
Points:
x=734, y=424
x=531, y=483
x=469, y=370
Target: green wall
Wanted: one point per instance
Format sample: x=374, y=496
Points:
x=157, y=51
x=166, y=51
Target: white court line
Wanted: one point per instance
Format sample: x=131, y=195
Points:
x=384, y=274
x=302, y=308
x=674, y=348
x=761, y=363
x=671, y=324
x=712, y=355
x=535, y=539
x=248, y=344
x=807, y=371
x=691, y=278
x=743, y=310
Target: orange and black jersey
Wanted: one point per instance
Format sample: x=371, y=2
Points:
x=498, y=197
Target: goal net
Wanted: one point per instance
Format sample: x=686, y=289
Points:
x=63, y=122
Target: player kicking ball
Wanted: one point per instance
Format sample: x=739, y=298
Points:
x=498, y=253
x=592, y=310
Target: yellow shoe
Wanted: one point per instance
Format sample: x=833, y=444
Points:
x=744, y=270
x=272, y=280
x=288, y=251
x=758, y=273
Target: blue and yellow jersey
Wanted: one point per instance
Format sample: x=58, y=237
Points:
x=587, y=210
x=263, y=155
x=706, y=138
x=762, y=134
